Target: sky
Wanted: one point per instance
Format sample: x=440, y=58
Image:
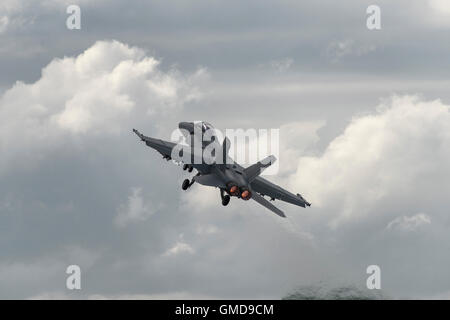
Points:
x=364, y=123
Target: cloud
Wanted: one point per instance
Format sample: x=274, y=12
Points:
x=409, y=223
x=297, y=139
x=103, y=91
x=13, y=16
x=179, y=248
x=69, y=160
x=46, y=272
x=384, y=164
x=281, y=65
x=4, y=21
x=182, y=295
x=326, y=291
x=440, y=6
x=135, y=210
x=438, y=13
x=206, y=229
x=399, y=151
x=337, y=50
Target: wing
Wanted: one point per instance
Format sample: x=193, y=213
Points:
x=267, y=188
x=165, y=148
x=267, y=204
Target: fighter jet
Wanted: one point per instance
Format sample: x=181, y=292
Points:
x=231, y=178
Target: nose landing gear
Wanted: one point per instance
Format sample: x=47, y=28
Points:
x=187, y=183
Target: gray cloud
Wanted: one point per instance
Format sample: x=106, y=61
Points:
x=70, y=163
x=135, y=210
x=410, y=223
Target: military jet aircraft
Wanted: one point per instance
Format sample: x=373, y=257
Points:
x=232, y=179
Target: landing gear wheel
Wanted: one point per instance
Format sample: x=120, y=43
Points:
x=186, y=184
x=185, y=166
x=225, y=200
x=190, y=169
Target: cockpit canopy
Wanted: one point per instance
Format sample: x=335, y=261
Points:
x=205, y=126
x=192, y=126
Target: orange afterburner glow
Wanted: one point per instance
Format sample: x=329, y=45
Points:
x=246, y=195
x=234, y=190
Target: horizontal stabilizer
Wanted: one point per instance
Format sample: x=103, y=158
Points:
x=262, y=201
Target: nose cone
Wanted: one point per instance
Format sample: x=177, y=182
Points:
x=188, y=126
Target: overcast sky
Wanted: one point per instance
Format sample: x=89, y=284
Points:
x=365, y=137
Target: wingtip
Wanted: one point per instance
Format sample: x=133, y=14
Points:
x=140, y=135
x=306, y=203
